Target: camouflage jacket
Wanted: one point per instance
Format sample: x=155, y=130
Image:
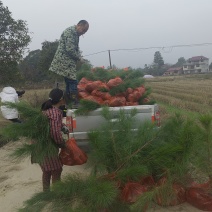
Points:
x=67, y=54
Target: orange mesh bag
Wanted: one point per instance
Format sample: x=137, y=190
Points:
x=130, y=97
x=148, y=181
x=117, y=101
x=83, y=94
x=72, y=155
x=93, y=85
x=123, y=94
x=81, y=87
x=133, y=95
x=97, y=85
x=199, y=198
x=103, y=95
x=131, y=191
x=114, y=82
x=96, y=99
x=205, y=185
x=84, y=81
x=137, y=95
x=129, y=90
x=106, y=96
x=104, y=86
x=178, y=197
x=141, y=89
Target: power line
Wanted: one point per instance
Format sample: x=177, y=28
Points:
x=170, y=48
x=96, y=53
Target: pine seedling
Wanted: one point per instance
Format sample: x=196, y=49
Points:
x=169, y=160
x=106, y=75
x=35, y=128
x=128, y=83
x=86, y=106
x=202, y=157
x=175, y=144
x=76, y=193
x=117, y=145
x=141, y=101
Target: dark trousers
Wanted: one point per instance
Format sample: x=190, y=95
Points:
x=71, y=90
x=46, y=178
x=71, y=85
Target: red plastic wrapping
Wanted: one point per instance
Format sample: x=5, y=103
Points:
x=114, y=82
x=148, y=181
x=117, y=101
x=141, y=89
x=72, y=155
x=94, y=85
x=135, y=95
x=103, y=95
x=96, y=99
x=179, y=196
x=130, y=97
x=129, y=90
x=92, y=91
x=199, y=198
x=202, y=185
x=84, y=81
x=83, y=94
x=104, y=86
x=81, y=87
x=123, y=94
x=131, y=191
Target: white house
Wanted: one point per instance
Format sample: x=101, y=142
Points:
x=197, y=64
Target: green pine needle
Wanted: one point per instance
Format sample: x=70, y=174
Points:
x=35, y=127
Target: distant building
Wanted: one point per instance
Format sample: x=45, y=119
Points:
x=198, y=64
x=173, y=71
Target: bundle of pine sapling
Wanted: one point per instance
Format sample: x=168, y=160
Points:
x=113, y=88
x=34, y=127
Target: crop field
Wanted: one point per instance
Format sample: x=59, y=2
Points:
x=191, y=95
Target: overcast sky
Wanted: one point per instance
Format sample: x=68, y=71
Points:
x=122, y=24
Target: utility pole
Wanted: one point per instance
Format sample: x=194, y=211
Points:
x=109, y=59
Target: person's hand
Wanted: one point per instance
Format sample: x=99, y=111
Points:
x=65, y=129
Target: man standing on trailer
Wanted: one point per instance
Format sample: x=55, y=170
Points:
x=66, y=58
